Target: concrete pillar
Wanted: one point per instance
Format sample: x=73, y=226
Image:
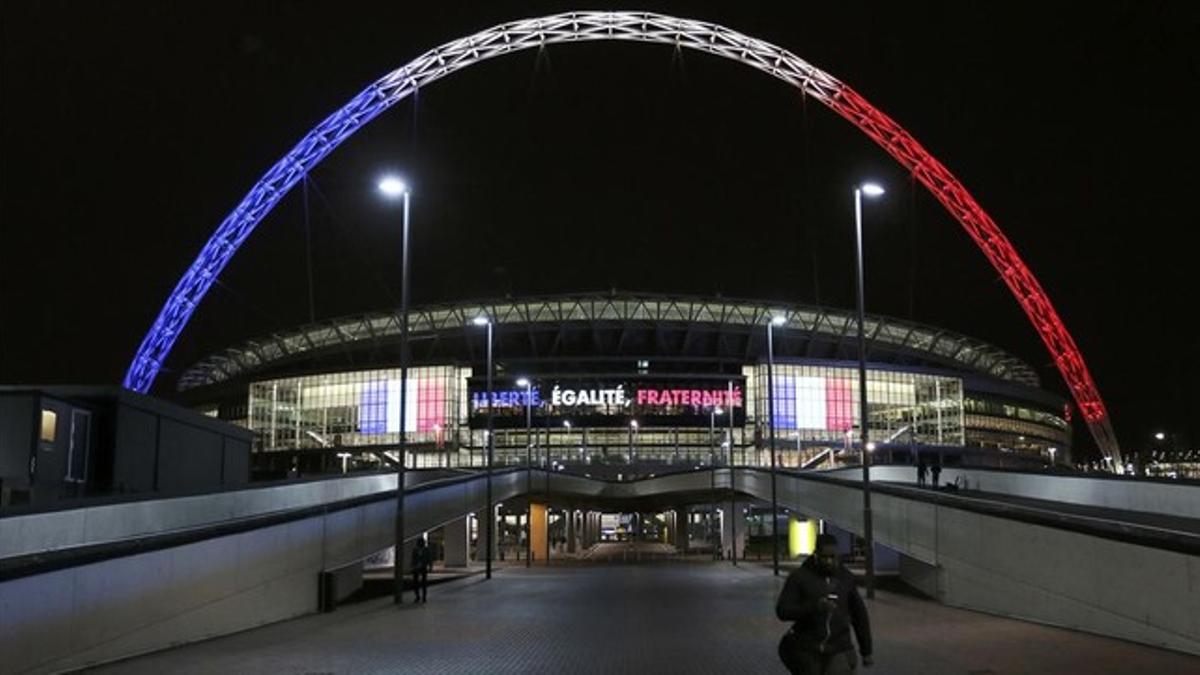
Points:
x=571, y=515
x=456, y=540
x=481, y=538
x=682, y=518
x=538, y=534
x=729, y=516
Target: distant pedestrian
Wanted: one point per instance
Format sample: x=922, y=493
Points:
x=822, y=602
x=935, y=470
x=922, y=470
x=422, y=560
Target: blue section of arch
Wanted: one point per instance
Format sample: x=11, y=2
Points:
x=238, y=225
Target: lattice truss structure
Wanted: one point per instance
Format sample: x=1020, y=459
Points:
x=346, y=332
x=634, y=27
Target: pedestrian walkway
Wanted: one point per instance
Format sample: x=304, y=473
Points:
x=686, y=618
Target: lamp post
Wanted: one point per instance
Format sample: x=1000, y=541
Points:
x=733, y=514
x=393, y=187
x=524, y=382
x=712, y=461
x=870, y=190
x=775, y=321
x=633, y=427
x=490, y=439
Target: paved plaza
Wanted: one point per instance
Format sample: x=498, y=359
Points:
x=681, y=617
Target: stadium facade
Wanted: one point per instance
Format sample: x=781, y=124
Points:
x=620, y=380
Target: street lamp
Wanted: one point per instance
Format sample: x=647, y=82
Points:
x=524, y=382
x=870, y=190
x=633, y=427
x=490, y=439
x=1053, y=450
x=712, y=461
x=392, y=187
x=775, y=321
x=733, y=513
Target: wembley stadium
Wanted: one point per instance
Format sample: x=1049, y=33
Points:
x=627, y=384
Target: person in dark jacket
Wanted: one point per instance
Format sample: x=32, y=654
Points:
x=935, y=472
x=422, y=560
x=823, y=604
x=921, y=471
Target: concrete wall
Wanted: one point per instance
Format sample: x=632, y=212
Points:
x=16, y=437
x=1018, y=569
x=1176, y=499
x=125, y=606
x=116, y=608
x=137, y=437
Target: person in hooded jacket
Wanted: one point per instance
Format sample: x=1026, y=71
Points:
x=821, y=601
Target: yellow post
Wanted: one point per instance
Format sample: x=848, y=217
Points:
x=802, y=536
x=538, y=535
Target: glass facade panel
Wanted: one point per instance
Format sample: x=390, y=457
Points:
x=356, y=408
x=816, y=405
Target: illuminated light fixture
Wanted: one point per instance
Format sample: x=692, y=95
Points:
x=392, y=186
x=870, y=446
x=872, y=189
x=567, y=423
x=481, y=321
x=778, y=320
x=1160, y=435
x=718, y=411
x=633, y=424
x=523, y=382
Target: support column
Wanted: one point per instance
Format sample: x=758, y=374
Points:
x=481, y=538
x=571, y=514
x=538, y=533
x=456, y=540
x=682, y=519
x=733, y=526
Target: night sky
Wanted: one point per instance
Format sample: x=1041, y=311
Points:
x=131, y=129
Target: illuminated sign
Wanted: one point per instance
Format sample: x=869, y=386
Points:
x=508, y=398
x=574, y=397
x=704, y=398
x=607, y=401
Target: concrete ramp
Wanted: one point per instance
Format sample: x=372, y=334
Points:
x=86, y=586
x=1115, y=578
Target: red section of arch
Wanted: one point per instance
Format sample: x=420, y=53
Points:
x=983, y=230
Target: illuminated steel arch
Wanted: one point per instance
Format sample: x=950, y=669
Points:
x=634, y=27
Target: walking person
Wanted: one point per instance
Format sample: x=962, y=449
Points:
x=922, y=469
x=935, y=471
x=822, y=602
x=422, y=560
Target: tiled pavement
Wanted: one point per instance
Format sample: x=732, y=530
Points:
x=651, y=618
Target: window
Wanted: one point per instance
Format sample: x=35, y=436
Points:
x=49, y=425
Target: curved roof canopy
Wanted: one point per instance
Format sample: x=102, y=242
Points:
x=939, y=346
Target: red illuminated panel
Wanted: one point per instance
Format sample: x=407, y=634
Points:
x=431, y=405
x=839, y=404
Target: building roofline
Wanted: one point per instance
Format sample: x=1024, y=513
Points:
x=260, y=353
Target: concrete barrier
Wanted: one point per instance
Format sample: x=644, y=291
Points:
x=1126, y=494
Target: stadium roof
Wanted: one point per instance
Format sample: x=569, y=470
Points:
x=830, y=325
